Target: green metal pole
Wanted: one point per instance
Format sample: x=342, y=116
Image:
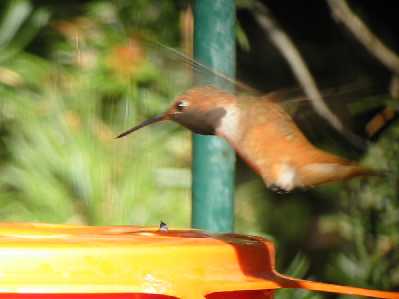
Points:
x=213, y=159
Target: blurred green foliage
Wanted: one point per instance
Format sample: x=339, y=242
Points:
x=19, y=24
x=60, y=112
x=369, y=223
x=68, y=85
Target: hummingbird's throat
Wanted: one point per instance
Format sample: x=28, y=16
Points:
x=199, y=121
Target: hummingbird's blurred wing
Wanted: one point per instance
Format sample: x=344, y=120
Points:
x=341, y=99
x=199, y=71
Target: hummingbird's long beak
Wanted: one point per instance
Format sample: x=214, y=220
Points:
x=147, y=122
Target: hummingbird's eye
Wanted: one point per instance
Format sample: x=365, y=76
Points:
x=181, y=105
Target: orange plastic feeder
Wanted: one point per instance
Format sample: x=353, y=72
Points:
x=125, y=262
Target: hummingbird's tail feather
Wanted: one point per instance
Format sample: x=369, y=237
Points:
x=366, y=171
x=320, y=173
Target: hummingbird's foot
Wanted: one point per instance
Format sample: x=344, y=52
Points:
x=278, y=189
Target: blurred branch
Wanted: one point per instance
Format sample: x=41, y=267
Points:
x=394, y=87
x=285, y=45
x=187, y=30
x=343, y=13
x=370, y=41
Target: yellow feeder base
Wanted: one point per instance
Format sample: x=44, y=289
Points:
x=126, y=262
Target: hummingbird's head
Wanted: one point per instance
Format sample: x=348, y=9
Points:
x=199, y=109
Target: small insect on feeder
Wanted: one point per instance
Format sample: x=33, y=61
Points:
x=125, y=262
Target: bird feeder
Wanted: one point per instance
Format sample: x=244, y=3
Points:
x=125, y=262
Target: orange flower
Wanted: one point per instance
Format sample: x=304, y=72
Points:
x=125, y=59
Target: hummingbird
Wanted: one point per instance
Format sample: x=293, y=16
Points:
x=262, y=133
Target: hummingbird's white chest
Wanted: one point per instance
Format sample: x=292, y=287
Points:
x=229, y=126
